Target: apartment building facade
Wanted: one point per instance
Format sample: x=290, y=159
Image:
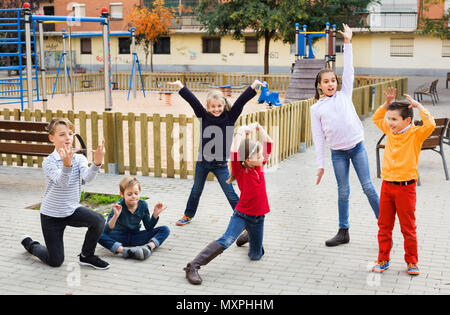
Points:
x=387, y=45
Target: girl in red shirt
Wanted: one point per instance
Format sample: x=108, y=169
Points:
x=248, y=158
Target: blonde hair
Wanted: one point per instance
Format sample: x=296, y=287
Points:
x=128, y=182
x=59, y=121
x=247, y=148
x=217, y=95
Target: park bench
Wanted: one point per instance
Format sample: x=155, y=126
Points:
x=13, y=134
x=446, y=139
x=434, y=142
x=430, y=91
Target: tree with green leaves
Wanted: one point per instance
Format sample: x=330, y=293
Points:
x=267, y=19
x=275, y=19
x=350, y=12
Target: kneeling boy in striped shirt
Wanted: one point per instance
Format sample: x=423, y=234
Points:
x=64, y=170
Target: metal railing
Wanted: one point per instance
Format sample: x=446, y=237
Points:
x=392, y=21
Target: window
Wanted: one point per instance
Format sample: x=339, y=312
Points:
x=339, y=46
x=79, y=10
x=162, y=46
x=211, y=45
x=251, y=45
x=445, y=48
x=124, y=45
x=116, y=10
x=49, y=27
x=86, y=46
x=402, y=47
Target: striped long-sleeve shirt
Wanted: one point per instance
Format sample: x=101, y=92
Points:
x=63, y=184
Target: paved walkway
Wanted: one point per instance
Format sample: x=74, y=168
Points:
x=303, y=216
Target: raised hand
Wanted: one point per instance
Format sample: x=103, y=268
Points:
x=177, y=83
x=413, y=102
x=390, y=96
x=257, y=83
x=66, y=153
x=117, y=208
x=99, y=154
x=159, y=207
x=347, y=33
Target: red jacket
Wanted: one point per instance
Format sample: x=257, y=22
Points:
x=252, y=184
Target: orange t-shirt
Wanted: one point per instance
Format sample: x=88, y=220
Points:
x=401, y=152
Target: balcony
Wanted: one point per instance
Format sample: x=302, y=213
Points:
x=392, y=21
x=187, y=24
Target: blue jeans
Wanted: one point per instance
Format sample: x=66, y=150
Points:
x=255, y=228
x=341, y=164
x=115, y=239
x=202, y=169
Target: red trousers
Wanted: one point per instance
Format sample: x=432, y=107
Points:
x=400, y=200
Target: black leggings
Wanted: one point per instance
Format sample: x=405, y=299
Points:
x=53, y=229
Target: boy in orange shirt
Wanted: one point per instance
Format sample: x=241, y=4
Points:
x=399, y=172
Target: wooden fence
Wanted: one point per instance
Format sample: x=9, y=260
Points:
x=157, y=81
x=168, y=145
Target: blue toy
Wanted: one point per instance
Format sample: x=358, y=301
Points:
x=267, y=97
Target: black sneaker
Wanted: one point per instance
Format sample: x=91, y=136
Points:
x=27, y=242
x=93, y=261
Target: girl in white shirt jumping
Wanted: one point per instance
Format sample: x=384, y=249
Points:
x=334, y=119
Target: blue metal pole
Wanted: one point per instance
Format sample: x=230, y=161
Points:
x=131, y=78
x=98, y=34
x=20, y=60
x=67, y=18
x=57, y=73
x=35, y=61
x=140, y=74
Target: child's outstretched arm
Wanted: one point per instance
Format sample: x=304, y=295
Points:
x=185, y=93
x=246, y=96
x=348, y=73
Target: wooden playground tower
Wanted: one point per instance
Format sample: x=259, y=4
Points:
x=306, y=67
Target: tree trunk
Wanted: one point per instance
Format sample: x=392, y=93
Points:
x=151, y=56
x=266, y=51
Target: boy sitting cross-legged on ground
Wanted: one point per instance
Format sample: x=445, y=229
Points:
x=122, y=232
x=399, y=172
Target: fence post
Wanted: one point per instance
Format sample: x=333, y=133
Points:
x=303, y=109
x=109, y=134
x=119, y=143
